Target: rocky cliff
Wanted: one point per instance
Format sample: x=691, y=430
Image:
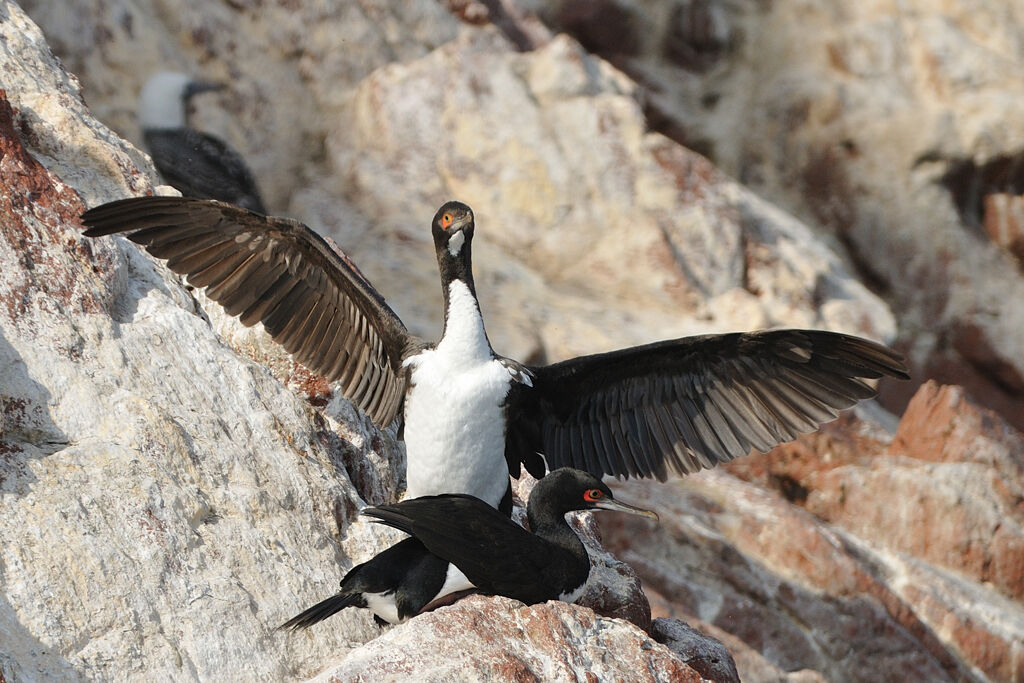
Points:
x=894, y=126
x=172, y=486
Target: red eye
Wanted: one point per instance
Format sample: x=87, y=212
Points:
x=593, y=495
x=446, y=220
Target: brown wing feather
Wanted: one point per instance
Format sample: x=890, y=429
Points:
x=276, y=271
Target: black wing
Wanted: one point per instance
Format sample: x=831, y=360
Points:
x=200, y=165
x=497, y=555
x=690, y=403
x=310, y=299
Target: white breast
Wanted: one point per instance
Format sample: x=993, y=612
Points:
x=454, y=426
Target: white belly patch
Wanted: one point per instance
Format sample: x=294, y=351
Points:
x=454, y=426
x=573, y=596
x=454, y=430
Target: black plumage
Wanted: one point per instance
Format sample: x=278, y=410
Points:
x=406, y=574
x=670, y=407
x=197, y=164
x=691, y=403
x=495, y=554
x=200, y=165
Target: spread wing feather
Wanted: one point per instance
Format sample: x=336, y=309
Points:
x=692, y=403
x=310, y=299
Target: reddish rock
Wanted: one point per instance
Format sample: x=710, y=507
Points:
x=865, y=580
x=941, y=424
x=497, y=639
x=35, y=211
x=948, y=366
x=803, y=595
x=954, y=475
x=954, y=479
x=750, y=664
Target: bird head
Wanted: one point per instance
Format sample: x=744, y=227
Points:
x=163, y=102
x=452, y=227
x=567, y=489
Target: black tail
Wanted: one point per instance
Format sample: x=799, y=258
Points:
x=322, y=610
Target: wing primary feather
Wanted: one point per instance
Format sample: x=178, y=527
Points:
x=272, y=292
x=732, y=441
x=591, y=448
x=790, y=404
x=827, y=390
x=295, y=333
x=549, y=444
x=690, y=437
x=326, y=351
x=195, y=263
x=277, y=316
x=621, y=433
x=267, y=303
x=564, y=447
x=787, y=421
x=183, y=246
x=665, y=440
x=812, y=409
x=234, y=283
x=745, y=428
x=264, y=276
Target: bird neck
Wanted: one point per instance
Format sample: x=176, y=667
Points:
x=463, y=323
x=550, y=524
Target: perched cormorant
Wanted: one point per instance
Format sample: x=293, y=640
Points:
x=474, y=548
x=471, y=417
x=195, y=163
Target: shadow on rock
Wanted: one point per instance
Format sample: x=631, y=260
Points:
x=26, y=428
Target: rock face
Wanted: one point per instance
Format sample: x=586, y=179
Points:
x=173, y=486
x=909, y=562
x=364, y=143
x=550, y=642
x=894, y=125
x=157, y=490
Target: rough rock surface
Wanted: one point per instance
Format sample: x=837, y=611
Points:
x=909, y=564
x=173, y=486
x=167, y=502
x=707, y=655
x=157, y=489
x=497, y=639
x=896, y=125
x=363, y=143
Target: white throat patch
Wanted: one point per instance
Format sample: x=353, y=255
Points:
x=162, y=101
x=455, y=243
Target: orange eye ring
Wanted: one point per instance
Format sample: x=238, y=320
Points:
x=447, y=220
x=593, y=495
